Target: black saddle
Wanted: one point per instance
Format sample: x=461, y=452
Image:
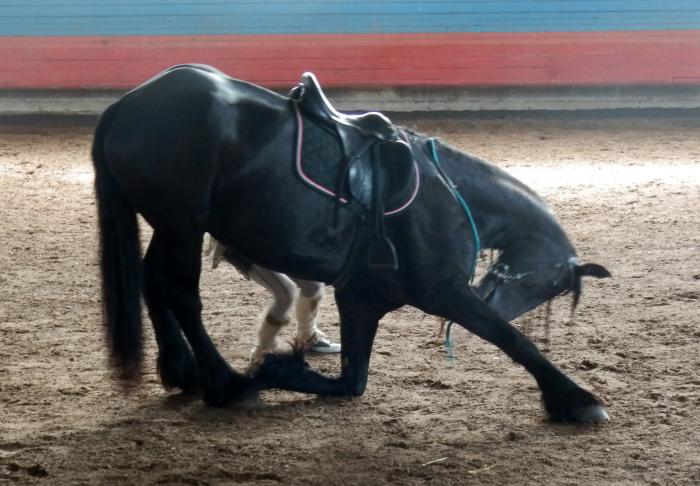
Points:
x=377, y=170
x=313, y=102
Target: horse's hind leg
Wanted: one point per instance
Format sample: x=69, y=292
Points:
x=563, y=399
x=176, y=364
x=173, y=270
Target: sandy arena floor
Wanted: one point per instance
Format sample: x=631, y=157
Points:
x=626, y=189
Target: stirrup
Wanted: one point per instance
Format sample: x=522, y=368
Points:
x=382, y=255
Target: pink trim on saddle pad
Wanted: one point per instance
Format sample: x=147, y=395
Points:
x=329, y=192
x=416, y=186
x=300, y=169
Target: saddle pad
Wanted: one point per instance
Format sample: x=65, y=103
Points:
x=320, y=163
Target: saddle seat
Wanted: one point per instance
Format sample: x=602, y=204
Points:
x=313, y=101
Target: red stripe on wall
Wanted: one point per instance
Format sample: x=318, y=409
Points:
x=385, y=60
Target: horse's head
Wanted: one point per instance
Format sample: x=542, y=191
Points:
x=513, y=288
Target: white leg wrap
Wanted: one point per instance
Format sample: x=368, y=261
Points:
x=267, y=337
x=283, y=290
x=307, y=314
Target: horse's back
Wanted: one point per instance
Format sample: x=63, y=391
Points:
x=164, y=138
x=182, y=105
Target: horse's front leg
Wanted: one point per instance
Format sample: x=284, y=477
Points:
x=563, y=399
x=359, y=318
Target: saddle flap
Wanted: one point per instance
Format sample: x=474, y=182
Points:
x=395, y=161
x=360, y=180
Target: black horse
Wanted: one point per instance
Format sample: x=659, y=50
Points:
x=195, y=151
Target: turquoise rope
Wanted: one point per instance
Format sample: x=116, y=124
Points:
x=448, y=342
x=465, y=206
x=475, y=233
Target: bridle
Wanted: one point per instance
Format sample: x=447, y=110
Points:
x=504, y=275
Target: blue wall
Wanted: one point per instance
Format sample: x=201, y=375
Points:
x=190, y=17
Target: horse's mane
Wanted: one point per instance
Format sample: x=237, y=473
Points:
x=482, y=167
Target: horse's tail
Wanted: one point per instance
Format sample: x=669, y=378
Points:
x=120, y=255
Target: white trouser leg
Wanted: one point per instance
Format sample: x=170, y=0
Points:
x=307, y=309
x=284, y=292
x=215, y=250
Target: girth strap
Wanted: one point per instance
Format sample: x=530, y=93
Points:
x=382, y=253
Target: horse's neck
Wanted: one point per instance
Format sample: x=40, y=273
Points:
x=509, y=216
x=529, y=244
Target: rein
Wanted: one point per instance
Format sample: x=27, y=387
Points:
x=500, y=270
x=454, y=190
x=455, y=193
x=504, y=275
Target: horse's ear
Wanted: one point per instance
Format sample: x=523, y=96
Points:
x=592, y=270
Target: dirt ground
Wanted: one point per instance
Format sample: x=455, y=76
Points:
x=627, y=189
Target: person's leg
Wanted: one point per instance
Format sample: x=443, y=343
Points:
x=308, y=334
x=283, y=291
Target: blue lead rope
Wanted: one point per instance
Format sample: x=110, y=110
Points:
x=455, y=192
x=477, y=243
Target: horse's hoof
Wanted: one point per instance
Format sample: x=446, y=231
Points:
x=178, y=370
x=590, y=414
x=575, y=405
x=226, y=389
